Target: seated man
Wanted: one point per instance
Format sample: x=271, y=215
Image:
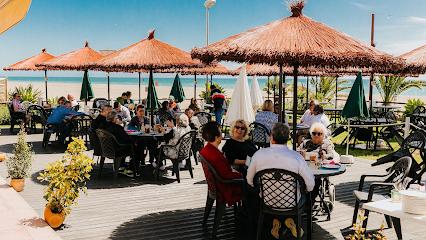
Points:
x=17, y=109
x=174, y=106
x=279, y=156
x=58, y=116
x=101, y=118
x=140, y=119
x=122, y=138
x=194, y=123
x=122, y=111
x=320, y=116
x=308, y=119
x=72, y=100
x=123, y=99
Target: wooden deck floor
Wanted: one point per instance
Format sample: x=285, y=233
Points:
x=144, y=209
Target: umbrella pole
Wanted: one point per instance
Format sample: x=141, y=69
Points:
x=268, y=88
x=139, y=87
x=295, y=73
x=87, y=93
x=195, y=86
x=307, y=91
x=151, y=83
x=335, y=102
x=45, y=83
x=371, y=94
x=280, y=95
x=207, y=86
x=108, y=88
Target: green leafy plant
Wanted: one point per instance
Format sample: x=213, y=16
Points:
x=270, y=89
x=20, y=164
x=4, y=115
x=391, y=86
x=27, y=93
x=359, y=230
x=411, y=105
x=209, y=97
x=326, y=88
x=53, y=100
x=67, y=177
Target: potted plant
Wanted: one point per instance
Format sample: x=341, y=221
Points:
x=66, y=177
x=20, y=164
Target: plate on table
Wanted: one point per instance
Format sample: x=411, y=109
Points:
x=134, y=133
x=331, y=166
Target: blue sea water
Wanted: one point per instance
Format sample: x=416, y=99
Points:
x=228, y=83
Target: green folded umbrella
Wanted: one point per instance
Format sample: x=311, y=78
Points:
x=356, y=106
x=177, y=90
x=86, y=89
x=151, y=87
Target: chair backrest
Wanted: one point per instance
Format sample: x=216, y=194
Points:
x=164, y=116
x=279, y=188
x=108, y=143
x=94, y=143
x=210, y=175
x=260, y=135
x=414, y=141
x=399, y=170
x=99, y=102
x=184, y=144
x=390, y=117
x=203, y=117
x=36, y=110
x=419, y=109
x=81, y=123
x=76, y=108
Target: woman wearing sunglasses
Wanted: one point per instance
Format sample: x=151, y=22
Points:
x=237, y=148
x=318, y=144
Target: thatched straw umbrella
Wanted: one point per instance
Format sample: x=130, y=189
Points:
x=148, y=54
x=78, y=60
x=297, y=41
x=415, y=60
x=29, y=64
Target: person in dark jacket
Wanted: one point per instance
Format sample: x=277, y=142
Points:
x=219, y=103
x=101, y=118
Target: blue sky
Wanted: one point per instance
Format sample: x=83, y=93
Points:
x=62, y=26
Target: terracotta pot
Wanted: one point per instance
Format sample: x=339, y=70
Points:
x=17, y=184
x=55, y=220
x=2, y=157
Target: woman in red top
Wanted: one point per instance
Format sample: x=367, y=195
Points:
x=230, y=191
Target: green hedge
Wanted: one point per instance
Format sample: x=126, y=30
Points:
x=4, y=115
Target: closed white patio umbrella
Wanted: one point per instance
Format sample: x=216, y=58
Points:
x=255, y=93
x=240, y=105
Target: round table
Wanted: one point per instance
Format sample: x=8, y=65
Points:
x=318, y=173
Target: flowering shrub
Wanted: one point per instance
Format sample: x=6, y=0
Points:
x=359, y=230
x=20, y=164
x=67, y=177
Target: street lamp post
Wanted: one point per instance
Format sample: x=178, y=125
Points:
x=208, y=4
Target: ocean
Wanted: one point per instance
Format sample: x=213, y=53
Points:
x=227, y=83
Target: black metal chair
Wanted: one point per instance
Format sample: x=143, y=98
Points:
x=203, y=117
x=95, y=144
x=15, y=117
x=415, y=119
x=95, y=111
x=183, y=147
x=364, y=134
x=80, y=126
x=279, y=191
x=76, y=108
x=392, y=132
x=37, y=116
x=260, y=135
x=197, y=145
x=395, y=175
x=99, y=102
x=48, y=130
x=164, y=116
x=109, y=146
x=212, y=194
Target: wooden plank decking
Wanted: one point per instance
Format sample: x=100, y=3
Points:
x=144, y=209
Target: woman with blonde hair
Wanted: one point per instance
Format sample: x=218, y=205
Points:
x=238, y=148
x=267, y=117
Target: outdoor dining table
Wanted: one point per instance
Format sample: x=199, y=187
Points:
x=335, y=113
x=321, y=172
x=377, y=122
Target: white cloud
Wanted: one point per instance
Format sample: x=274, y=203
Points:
x=417, y=19
x=362, y=6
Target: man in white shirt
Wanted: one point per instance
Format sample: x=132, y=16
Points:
x=320, y=116
x=279, y=156
x=72, y=100
x=308, y=119
x=123, y=112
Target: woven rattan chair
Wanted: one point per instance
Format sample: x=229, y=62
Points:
x=80, y=126
x=37, y=116
x=109, y=145
x=396, y=174
x=212, y=194
x=392, y=132
x=16, y=118
x=260, y=135
x=278, y=193
x=184, y=153
x=95, y=144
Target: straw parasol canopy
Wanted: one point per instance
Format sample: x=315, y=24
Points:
x=415, y=60
x=148, y=54
x=260, y=69
x=29, y=64
x=214, y=69
x=78, y=60
x=297, y=39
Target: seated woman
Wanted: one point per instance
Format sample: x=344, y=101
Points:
x=164, y=113
x=267, y=117
x=318, y=144
x=237, y=148
x=230, y=191
x=173, y=137
x=194, y=106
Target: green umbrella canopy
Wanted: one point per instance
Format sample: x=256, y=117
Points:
x=151, y=87
x=356, y=106
x=86, y=88
x=177, y=90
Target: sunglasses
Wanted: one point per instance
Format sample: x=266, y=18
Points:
x=316, y=134
x=242, y=128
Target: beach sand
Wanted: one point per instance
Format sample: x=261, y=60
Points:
x=101, y=91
